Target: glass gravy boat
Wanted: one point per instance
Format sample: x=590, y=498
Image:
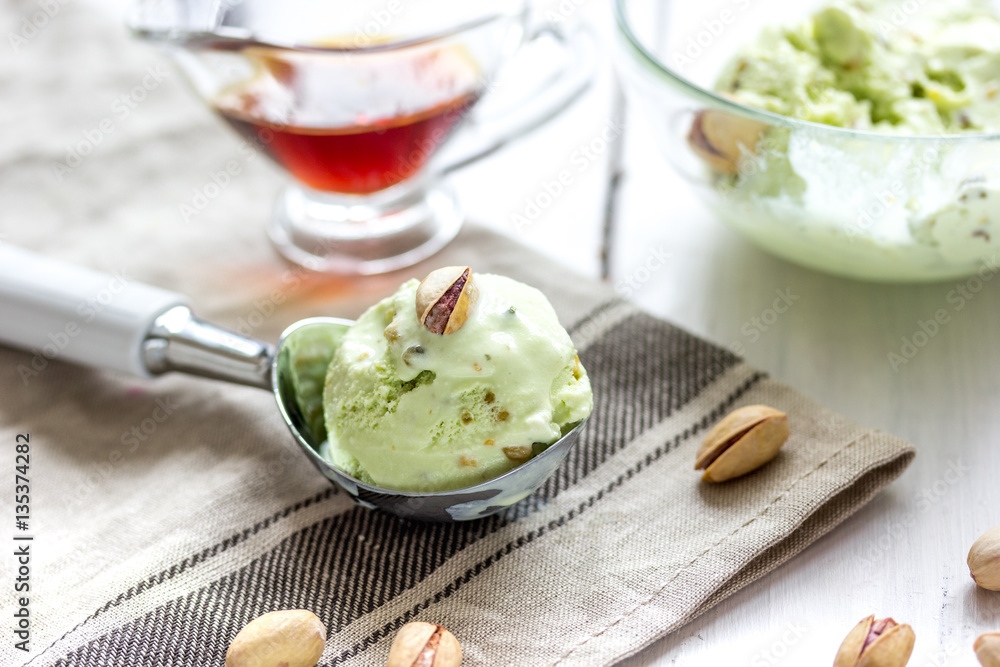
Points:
x=359, y=102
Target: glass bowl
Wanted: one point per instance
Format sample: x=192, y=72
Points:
x=861, y=204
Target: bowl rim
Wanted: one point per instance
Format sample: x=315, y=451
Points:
x=663, y=71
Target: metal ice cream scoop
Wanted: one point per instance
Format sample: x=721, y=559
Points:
x=75, y=314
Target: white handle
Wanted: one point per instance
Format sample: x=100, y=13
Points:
x=65, y=312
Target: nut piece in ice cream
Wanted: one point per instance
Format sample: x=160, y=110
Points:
x=293, y=638
x=988, y=649
x=444, y=299
x=721, y=138
x=984, y=560
x=872, y=643
x=424, y=645
x=743, y=441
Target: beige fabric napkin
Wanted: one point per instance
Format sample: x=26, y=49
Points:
x=167, y=514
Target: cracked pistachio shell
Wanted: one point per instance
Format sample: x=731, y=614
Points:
x=421, y=644
x=293, y=638
x=984, y=560
x=892, y=647
x=743, y=441
x=988, y=649
x=444, y=299
x=721, y=138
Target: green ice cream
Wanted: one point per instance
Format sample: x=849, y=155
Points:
x=848, y=203
x=870, y=64
x=412, y=410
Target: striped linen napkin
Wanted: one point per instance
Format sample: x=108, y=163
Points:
x=170, y=513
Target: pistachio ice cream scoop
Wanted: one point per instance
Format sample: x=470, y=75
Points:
x=451, y=382
x=149, y=331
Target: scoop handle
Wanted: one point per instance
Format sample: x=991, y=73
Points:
x=60, y=311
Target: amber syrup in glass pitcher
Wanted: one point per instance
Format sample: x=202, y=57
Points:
x=346, y=146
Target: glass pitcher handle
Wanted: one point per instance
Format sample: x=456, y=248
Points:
x=484, y=134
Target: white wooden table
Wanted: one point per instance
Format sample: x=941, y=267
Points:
x=904, y=554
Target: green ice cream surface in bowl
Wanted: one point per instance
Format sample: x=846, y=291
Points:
x=409, y=410
x=850, y=65
x=860, y=139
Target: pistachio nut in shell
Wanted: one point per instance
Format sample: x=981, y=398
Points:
x=882, y=643
x=444, y=299
x=984, y=560
x=721, y=138
x=293, y=638
x=987, y=649
x=421, y=644
x=743, y=441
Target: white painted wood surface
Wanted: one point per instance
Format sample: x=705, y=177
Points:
x=904, y=554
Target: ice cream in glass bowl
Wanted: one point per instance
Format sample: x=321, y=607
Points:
x=857, y=137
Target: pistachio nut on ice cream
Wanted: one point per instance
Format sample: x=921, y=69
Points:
x=451, y=382
x=925, y=202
